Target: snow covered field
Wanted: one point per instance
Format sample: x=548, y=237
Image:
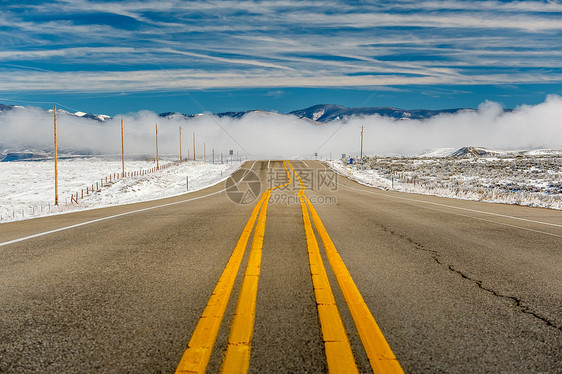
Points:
x=531, y=179
x=27, y=187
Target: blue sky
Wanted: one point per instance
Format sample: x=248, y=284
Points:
x=192, y=56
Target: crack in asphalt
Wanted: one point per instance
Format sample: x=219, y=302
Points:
x=435, y=256
x=516, y=300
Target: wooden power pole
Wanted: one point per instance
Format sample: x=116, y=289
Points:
x=180, y=144
x=56, y=164
x=361, y=142
x=122, y=149
x=157, y=156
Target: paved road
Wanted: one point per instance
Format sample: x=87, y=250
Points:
x=454, y=286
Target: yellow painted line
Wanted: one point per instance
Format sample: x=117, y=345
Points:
x=237, y=357
x=196, y=358
x=378, y=351
x=339, y=355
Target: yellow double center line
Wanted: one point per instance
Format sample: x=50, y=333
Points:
x=339, y=355
x=338, y=352
x=196, y=357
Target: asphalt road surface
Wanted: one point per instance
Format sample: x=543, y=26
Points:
x=454, y=286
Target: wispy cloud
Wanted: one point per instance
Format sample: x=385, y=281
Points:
x=80, y=81
x=99, y=46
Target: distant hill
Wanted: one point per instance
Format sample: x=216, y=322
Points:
x=475, y=152
x=329, y=112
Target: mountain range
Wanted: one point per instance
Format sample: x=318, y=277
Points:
x=318, y=113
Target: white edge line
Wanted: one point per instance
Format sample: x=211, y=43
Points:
x=491, y=221
x=113, y=216
x=460, y=208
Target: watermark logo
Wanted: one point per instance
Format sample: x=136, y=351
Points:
x=243, y=187
x=315, y=181
x=283, y=198
x=312, y=179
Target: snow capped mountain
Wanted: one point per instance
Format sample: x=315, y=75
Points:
x=317, y=113
x=476, y=152
x=97, y=117
x=5, y=108
x=172, y=115
x=329, y=112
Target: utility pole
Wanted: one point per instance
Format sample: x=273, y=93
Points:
x=194, y=146
x=180, y=143
x=361, y=142
x=157, y=156
x=56, y=165
x=122, y=148
x=213, y=156
x=204, y=152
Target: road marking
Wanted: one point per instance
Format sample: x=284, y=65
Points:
x=339, y=356
x=489, y=220
x=459, y=208
x=196, y=357
x=118, y=215
x=237, y=357
x=380, y=355
x=472, y=211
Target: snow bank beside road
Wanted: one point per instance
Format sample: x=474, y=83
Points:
x=531, y=181
x=27, y=188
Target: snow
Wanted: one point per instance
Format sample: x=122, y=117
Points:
x=521, y=178
x=318, y=114
x=102, y=117
x=27, y=189
x=437, y=152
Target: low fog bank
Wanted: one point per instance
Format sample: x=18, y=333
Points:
x=260, y=135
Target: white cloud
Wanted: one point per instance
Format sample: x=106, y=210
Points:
x=276, y=136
